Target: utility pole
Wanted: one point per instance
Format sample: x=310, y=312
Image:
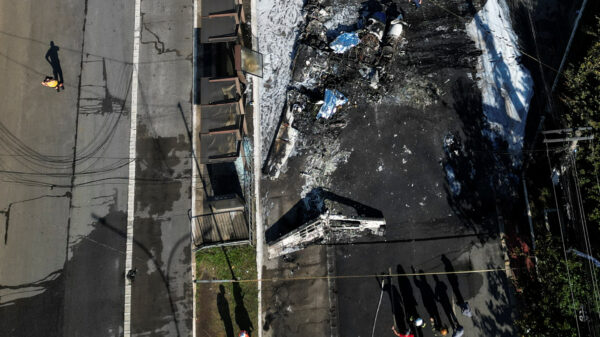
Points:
x=568, y=135
x=572, y=136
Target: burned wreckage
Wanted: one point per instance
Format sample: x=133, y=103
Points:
x=331, y=69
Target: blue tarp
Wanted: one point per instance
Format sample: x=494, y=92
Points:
x=586, y=256
x=379, y=16
x=344, y=41
x=333, y=99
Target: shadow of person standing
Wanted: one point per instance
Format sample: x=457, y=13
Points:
x=441, y=295
x=428, y=297
x=395, y=300
x=449, y=269
x=223, y=307
x=407, y=297
x=52, y=58
x=242, y=319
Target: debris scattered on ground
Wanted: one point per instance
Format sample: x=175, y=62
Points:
x=335, y=52
x=344, y=42
x=327, y=229
x=332, y=101
x=453, y=184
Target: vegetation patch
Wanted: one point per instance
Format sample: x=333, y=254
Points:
x=224, y=309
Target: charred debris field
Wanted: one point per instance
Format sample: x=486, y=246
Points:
x=410, y=114
x=354, y=61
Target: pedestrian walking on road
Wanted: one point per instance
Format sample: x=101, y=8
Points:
x=51, y=82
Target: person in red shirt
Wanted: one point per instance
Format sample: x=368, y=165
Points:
x=406, y=334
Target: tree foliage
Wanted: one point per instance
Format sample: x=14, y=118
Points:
x=551, y=301
x=580, y=94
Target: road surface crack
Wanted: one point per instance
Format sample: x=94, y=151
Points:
x=158, y=44
x=6, y=212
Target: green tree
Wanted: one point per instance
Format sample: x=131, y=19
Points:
x=549, y=302
x=580, y=95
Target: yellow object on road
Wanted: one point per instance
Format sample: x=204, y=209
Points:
x=52, y=83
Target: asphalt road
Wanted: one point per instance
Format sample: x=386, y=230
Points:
x=64, y=177
x=162, y=291
x=406, y=182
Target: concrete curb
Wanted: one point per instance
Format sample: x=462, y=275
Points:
x=257, y=138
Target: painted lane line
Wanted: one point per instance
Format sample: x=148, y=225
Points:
x=194, y=168
x=132, y=166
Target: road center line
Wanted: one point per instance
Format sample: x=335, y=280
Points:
x=132, y=165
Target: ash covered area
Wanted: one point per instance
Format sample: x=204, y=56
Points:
x=376, y=55
x=417, y=114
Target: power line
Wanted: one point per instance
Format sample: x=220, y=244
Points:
x=586, y=237
x=563, y=244
x=357, y=276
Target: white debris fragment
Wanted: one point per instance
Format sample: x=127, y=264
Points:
x=343, y=16
x=454, y=185
x=406, y=150
x=555, y=176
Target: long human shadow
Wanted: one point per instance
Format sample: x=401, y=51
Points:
x=395, y=296
x=242, y=318
x=310, y=207
x=441, y=295
x=223, y=308
x=407, y=296
x=52, y=58
x=453, y=279
x=427, y=296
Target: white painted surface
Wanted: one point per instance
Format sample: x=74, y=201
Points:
x=278, y=21
x=506, y=85
x=132, y=165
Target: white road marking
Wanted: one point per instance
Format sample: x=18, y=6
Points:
x=195, y=173
x=132, y=165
